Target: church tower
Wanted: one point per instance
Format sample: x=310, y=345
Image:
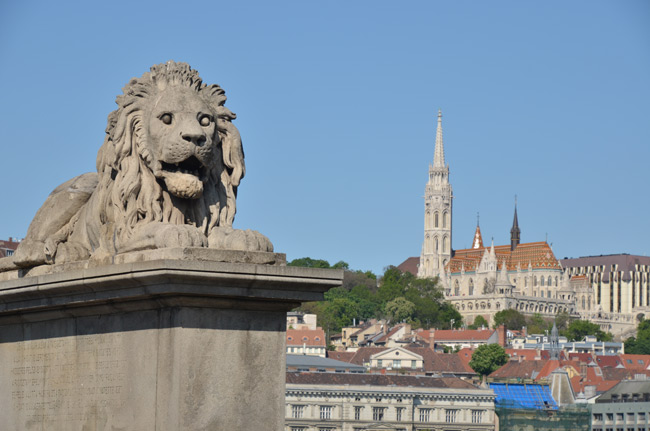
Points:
x=436, y=248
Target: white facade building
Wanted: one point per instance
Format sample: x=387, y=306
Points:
x=355, y=402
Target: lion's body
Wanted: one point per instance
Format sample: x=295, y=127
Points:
x=167, y=175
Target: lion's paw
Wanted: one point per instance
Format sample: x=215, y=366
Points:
x=172, y=235
x=235, y=239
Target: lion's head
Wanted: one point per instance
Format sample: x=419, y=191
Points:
x=171, y=153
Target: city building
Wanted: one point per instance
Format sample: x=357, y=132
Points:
x=484, y=280
x=355, y=402
x=611, y=290
x=462, y=338
x=8, y=247
x=354, y=336
x=306, y=342
x=626, y=406
x=407, y=360
x=316, y=364
x=300, y=320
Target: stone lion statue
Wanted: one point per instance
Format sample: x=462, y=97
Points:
x=167, y=176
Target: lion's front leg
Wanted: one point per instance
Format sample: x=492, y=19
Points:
x=227, y=238
x=163, y=235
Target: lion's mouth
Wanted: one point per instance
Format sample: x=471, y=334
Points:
x=191, y=165
x=184, y=179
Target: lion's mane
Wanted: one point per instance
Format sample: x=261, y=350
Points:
x=128, y=192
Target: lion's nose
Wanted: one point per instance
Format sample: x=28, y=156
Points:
x=196, y=136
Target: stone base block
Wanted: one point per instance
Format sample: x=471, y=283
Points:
x=166, y=344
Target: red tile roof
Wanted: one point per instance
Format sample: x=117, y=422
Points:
x=433, y=362
x=310, y=337
x=581, y=357
x=376, y=380
x=410, y=265
x=635, y=362
x=529, y=354
x=516, y=369
x=608, y=361
x=441, y=335
x=465, y=355
x=341, y=356
x=538, y=254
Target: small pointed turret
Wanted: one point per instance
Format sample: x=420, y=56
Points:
x=515, y=232
x=439, y=155
x=478, y=239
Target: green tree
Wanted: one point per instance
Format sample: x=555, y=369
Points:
x=308, y=262
x=578, y=329
x=513, y=319
x=368, y=302
x=562, y=320
x=341, y=265
x=537, y=325
x=639, y=345
x=479, y=322
x=488, y=358
x=399, y=309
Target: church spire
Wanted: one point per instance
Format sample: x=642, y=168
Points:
x=515, y=231
x=439, y=155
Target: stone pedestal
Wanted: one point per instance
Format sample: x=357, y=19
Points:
x=175, y=339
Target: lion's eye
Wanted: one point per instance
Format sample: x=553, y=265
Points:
x=166, y=118
x=205, y=120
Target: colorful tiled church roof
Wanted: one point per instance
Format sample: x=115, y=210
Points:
x=538, y=254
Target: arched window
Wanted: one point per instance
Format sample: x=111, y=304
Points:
x=427, y=220
x=427, y=245
x=471, y=287
x=541, y=280
x=583, y=302
x=444, y=219
x=535, y=281
x=548, y=293
x=436, y=245
x=444, y=244
x=541, y=293
x=435, y=218
x=555, y=281
x=550, y=282
x=456, y=290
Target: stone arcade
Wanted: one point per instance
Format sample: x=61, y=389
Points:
x=132, y=303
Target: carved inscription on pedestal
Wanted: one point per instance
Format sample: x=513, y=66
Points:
x=62, y=379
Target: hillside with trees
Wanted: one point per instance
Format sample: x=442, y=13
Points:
x=574, y=330
x=395, y=296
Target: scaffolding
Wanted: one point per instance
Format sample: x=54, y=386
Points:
x=569, y=418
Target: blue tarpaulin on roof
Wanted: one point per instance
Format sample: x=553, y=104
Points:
x=523, y=396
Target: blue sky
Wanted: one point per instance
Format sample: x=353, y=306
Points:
x=337, y=103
